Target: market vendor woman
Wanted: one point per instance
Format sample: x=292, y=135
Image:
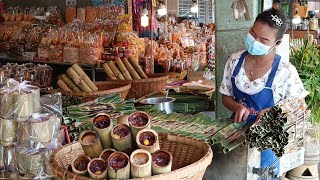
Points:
x=256, y=79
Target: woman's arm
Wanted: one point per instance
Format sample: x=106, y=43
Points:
x=241, y=113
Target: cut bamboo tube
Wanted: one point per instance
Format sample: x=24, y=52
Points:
x=38, y=124
x=1, y=157
x=7, y=104
x=10, y=160
x=123, y=69
x=131, y=70
x=62, y=85
x=121, y=137
x=8, y=131
x=136, y=66
x=70, y=83
x=108, y=71
x=138, y=120
x=102, y=123
x=36, y=98
x=23, y=134
x=74, y=76
x=147, y=139
x=105, y=154
x=119, y=167
x=34, y=164
x=84, y=77
x=161, y=162
x=97, y=169
x=23, y=106
x=79, y=165
x=140, y=161
x=90, y=143
x=115, y=70
x=123, y=120
x=84, y=87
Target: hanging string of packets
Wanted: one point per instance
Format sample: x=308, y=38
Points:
x=281, y=128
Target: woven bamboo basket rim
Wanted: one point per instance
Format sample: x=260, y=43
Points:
x=151, y=78
x=190, y=171
x=125, y=87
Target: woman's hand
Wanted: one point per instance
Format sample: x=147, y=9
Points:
x=241, y=114
x=260, y=115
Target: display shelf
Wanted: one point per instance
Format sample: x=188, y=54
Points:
x=90, y=68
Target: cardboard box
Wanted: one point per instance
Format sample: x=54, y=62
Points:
x=291, y=160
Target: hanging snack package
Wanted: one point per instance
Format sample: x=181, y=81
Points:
x=71, y=13
x=91, y=14
x=91, y=48
x=71, y=52
x=81, y=14
x=126, y=23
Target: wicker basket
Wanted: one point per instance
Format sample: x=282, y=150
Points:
x=190, y=159
x=105, y=88
x=142, y=87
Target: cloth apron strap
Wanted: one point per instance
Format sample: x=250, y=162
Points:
x=238, y=67
x=274, y=69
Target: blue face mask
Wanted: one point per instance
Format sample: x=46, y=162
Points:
x=255, y=47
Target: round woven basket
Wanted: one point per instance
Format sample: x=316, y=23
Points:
x=105, y=88
x=190, y=159
x=142, y=87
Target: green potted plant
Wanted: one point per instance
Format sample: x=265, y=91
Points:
x=306, y=58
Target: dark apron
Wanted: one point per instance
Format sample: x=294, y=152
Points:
x=258, y=102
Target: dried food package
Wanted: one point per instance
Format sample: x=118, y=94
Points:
x=71, y=13
x=125, y=24
x=90, y=55
x=56, y=53
x=91, y=14
x=81, y=14
x=44, y=75
x=71, y=54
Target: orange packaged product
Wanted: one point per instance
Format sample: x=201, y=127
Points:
x=81, y=14
x=91, y=14
x=71, y=13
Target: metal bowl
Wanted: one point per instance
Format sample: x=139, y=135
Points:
x=163, y=103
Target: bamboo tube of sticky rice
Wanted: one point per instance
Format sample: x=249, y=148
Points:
x=121, y=137
x=84, y=77
x=123, y=69
x=131, y=70
x=123, y=119
x=119, y=166
x=161, y=162
x=115, y=70
x=108, y=71
x=90, y=143
x=148, y=140
x=74, y=76
x=70, y=83
x=102, y=123
x=34, y=164
x=84, y=87
x=7, y=104
x=140, y=161
x=97, y=169
x=137, y=121
x=62, y=85
x=136, y=66
x=36, y=98
x=79, y=165
x=23, y=134
x=8, y=131
x=23, y=105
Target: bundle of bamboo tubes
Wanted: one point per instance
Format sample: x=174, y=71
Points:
x=124, y=69
x=281, y=128
x=76, y=80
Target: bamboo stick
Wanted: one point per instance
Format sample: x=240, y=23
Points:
x=109, y=72
x=62, y=85
x=115, y=70
x=131, y=70
x=123, y=69
x=84, y=77
x=74, y=76
x=70, y=83
x=137, y=67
